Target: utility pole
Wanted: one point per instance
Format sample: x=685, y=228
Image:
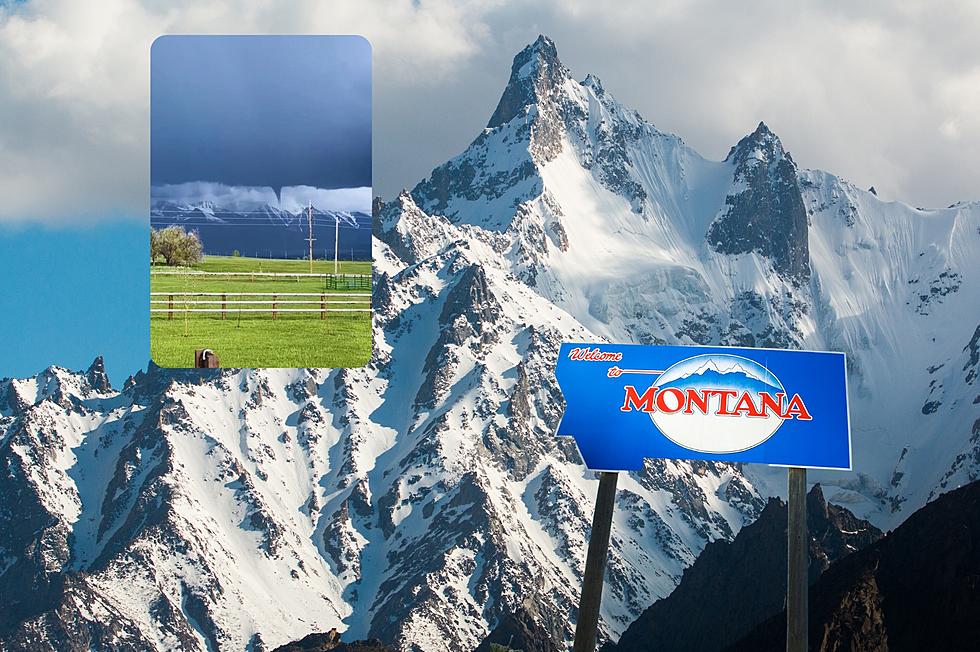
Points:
x=336, y=243
x=309, y=220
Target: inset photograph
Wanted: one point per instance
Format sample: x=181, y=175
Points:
x=260, y=201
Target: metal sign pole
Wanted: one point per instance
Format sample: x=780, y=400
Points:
x=796, y=578
x=586, y=628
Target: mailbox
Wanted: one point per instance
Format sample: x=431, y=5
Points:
x=206, y=359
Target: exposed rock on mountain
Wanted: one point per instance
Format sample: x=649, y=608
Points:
x=330, y=642
x=734, y=586
x=766, y=213
x=915, y=589
x=520, y=631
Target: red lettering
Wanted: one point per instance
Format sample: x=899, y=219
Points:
x=671, y=400
x=725, y=394
x=772, y=403
x=696, y=399
x=638, y=402
x=746, y=405
x=594, y=355
x=678, y=400
x=797, y=409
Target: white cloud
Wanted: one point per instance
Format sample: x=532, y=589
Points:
x=74, y=134
x=882, y=93
x=296, y=198
x=243, y=198
x=246, y=198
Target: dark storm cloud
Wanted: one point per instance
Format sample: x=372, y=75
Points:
x=261, y=111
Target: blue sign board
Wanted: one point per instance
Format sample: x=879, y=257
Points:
x=626, y=402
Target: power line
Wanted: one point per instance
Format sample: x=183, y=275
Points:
x=251, y=220
x=239, y=225
x=247, y=221
x=327, y=213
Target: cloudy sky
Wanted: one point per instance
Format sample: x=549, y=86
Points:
x=883, y=93
x=261, y=111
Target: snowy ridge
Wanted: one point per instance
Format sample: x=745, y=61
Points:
x=420, y=498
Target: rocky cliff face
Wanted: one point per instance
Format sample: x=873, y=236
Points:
x=735, y=586
x=915, y=589
x=520, y=631
x=765, y=213
x=423, y=498
x=330, y=642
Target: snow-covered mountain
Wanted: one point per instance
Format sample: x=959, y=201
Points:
x=419, y=498
x=260, y=229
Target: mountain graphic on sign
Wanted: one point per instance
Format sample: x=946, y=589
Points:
x=726, y=373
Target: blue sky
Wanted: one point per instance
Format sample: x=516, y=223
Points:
x=68, y=294
x=261, y=111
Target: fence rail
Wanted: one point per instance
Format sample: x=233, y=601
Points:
x=175, y=272
x=273, y=311
x=260, y=294
x=232, y=303
x=176, y=302
x=330, y=281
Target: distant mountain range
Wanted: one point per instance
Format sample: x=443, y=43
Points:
x=710, y=378
x=726, y=367
x=265, y=231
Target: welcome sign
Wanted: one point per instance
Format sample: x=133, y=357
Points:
x=626, y=402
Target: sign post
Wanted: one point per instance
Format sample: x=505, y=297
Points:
x=797, y=585
x=587, y=624
x=626, y=403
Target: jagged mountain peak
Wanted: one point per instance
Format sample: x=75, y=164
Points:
x=765, y=214
x=762, y=144
x=544, y=48
x=593, y=82
x=97, y=377
x=535, y=73
x=543, y=112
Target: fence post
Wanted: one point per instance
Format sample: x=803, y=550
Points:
x=323, y=307
x=224, y=298
x=170, y=307
x=275, y=297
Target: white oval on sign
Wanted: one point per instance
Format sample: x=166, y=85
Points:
x=711, y=432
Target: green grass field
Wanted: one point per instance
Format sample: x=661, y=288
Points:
x=255, y=339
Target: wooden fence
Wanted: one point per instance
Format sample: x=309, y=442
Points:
x=280, y=302
x=330, y=281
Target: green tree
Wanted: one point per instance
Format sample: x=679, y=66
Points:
x=176, y=246
x=154, y=245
